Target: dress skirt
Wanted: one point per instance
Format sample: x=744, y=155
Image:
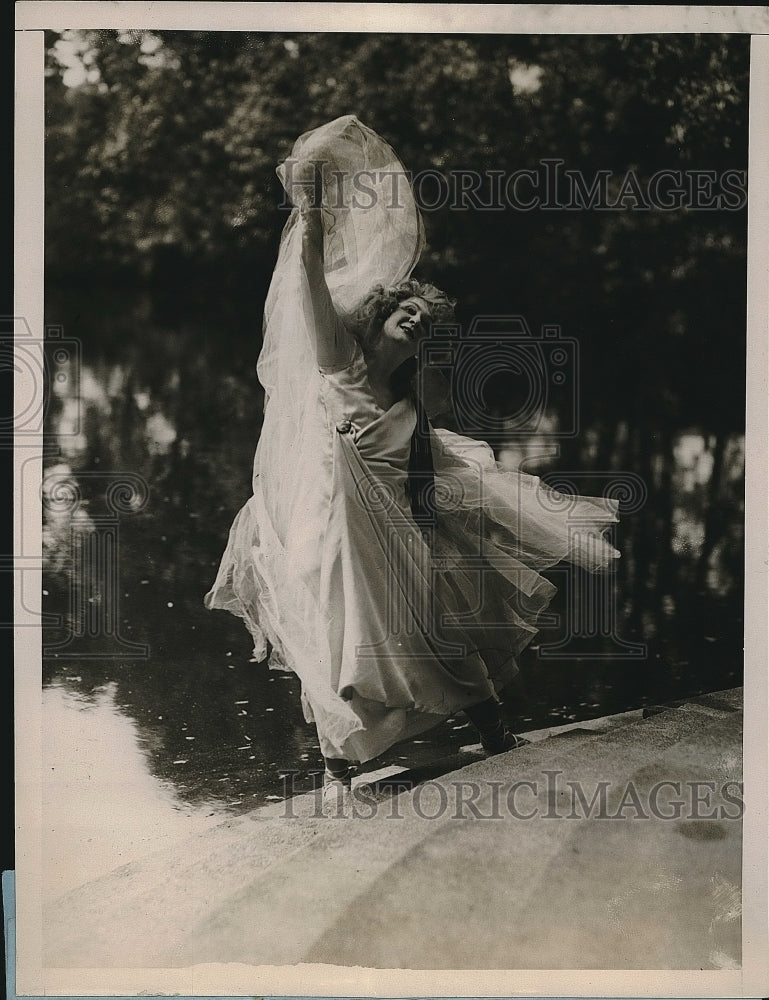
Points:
x=388, y=635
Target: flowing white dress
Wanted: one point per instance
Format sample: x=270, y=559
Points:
x=325, y=563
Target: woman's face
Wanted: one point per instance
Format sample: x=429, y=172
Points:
x=409, y=324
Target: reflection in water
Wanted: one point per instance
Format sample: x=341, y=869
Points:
x=179, y=406
x=101, y=805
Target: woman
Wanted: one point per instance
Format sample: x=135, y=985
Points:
x=392, y=566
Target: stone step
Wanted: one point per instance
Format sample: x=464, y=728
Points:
x=284, y=884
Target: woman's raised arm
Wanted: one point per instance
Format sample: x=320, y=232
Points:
x=334, y=344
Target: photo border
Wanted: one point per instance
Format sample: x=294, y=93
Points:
x=753, y=979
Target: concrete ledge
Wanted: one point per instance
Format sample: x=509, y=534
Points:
x=550, y=856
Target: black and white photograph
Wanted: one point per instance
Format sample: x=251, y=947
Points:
x=390, y=460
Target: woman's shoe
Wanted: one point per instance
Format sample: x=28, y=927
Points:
x=501, y=740
x=336, y=795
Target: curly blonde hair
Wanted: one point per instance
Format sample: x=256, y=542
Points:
x=381, y=302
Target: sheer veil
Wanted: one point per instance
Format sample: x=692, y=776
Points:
x=373, y=233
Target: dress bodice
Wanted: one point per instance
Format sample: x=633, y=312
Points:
x=382, y=437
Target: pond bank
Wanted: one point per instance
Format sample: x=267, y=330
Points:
x=609, y=844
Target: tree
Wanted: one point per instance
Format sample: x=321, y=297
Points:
x=161, y=164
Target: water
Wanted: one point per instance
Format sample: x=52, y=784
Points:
x=103, y=805
x=173, y=407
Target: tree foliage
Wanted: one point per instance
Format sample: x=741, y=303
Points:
x=160, y=164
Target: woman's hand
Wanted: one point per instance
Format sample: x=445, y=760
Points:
x=305, y=188
x=305, y=184
x=334, y=346
x=305, y=172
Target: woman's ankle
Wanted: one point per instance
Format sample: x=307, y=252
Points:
x=486, y=715
x=337, y=768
